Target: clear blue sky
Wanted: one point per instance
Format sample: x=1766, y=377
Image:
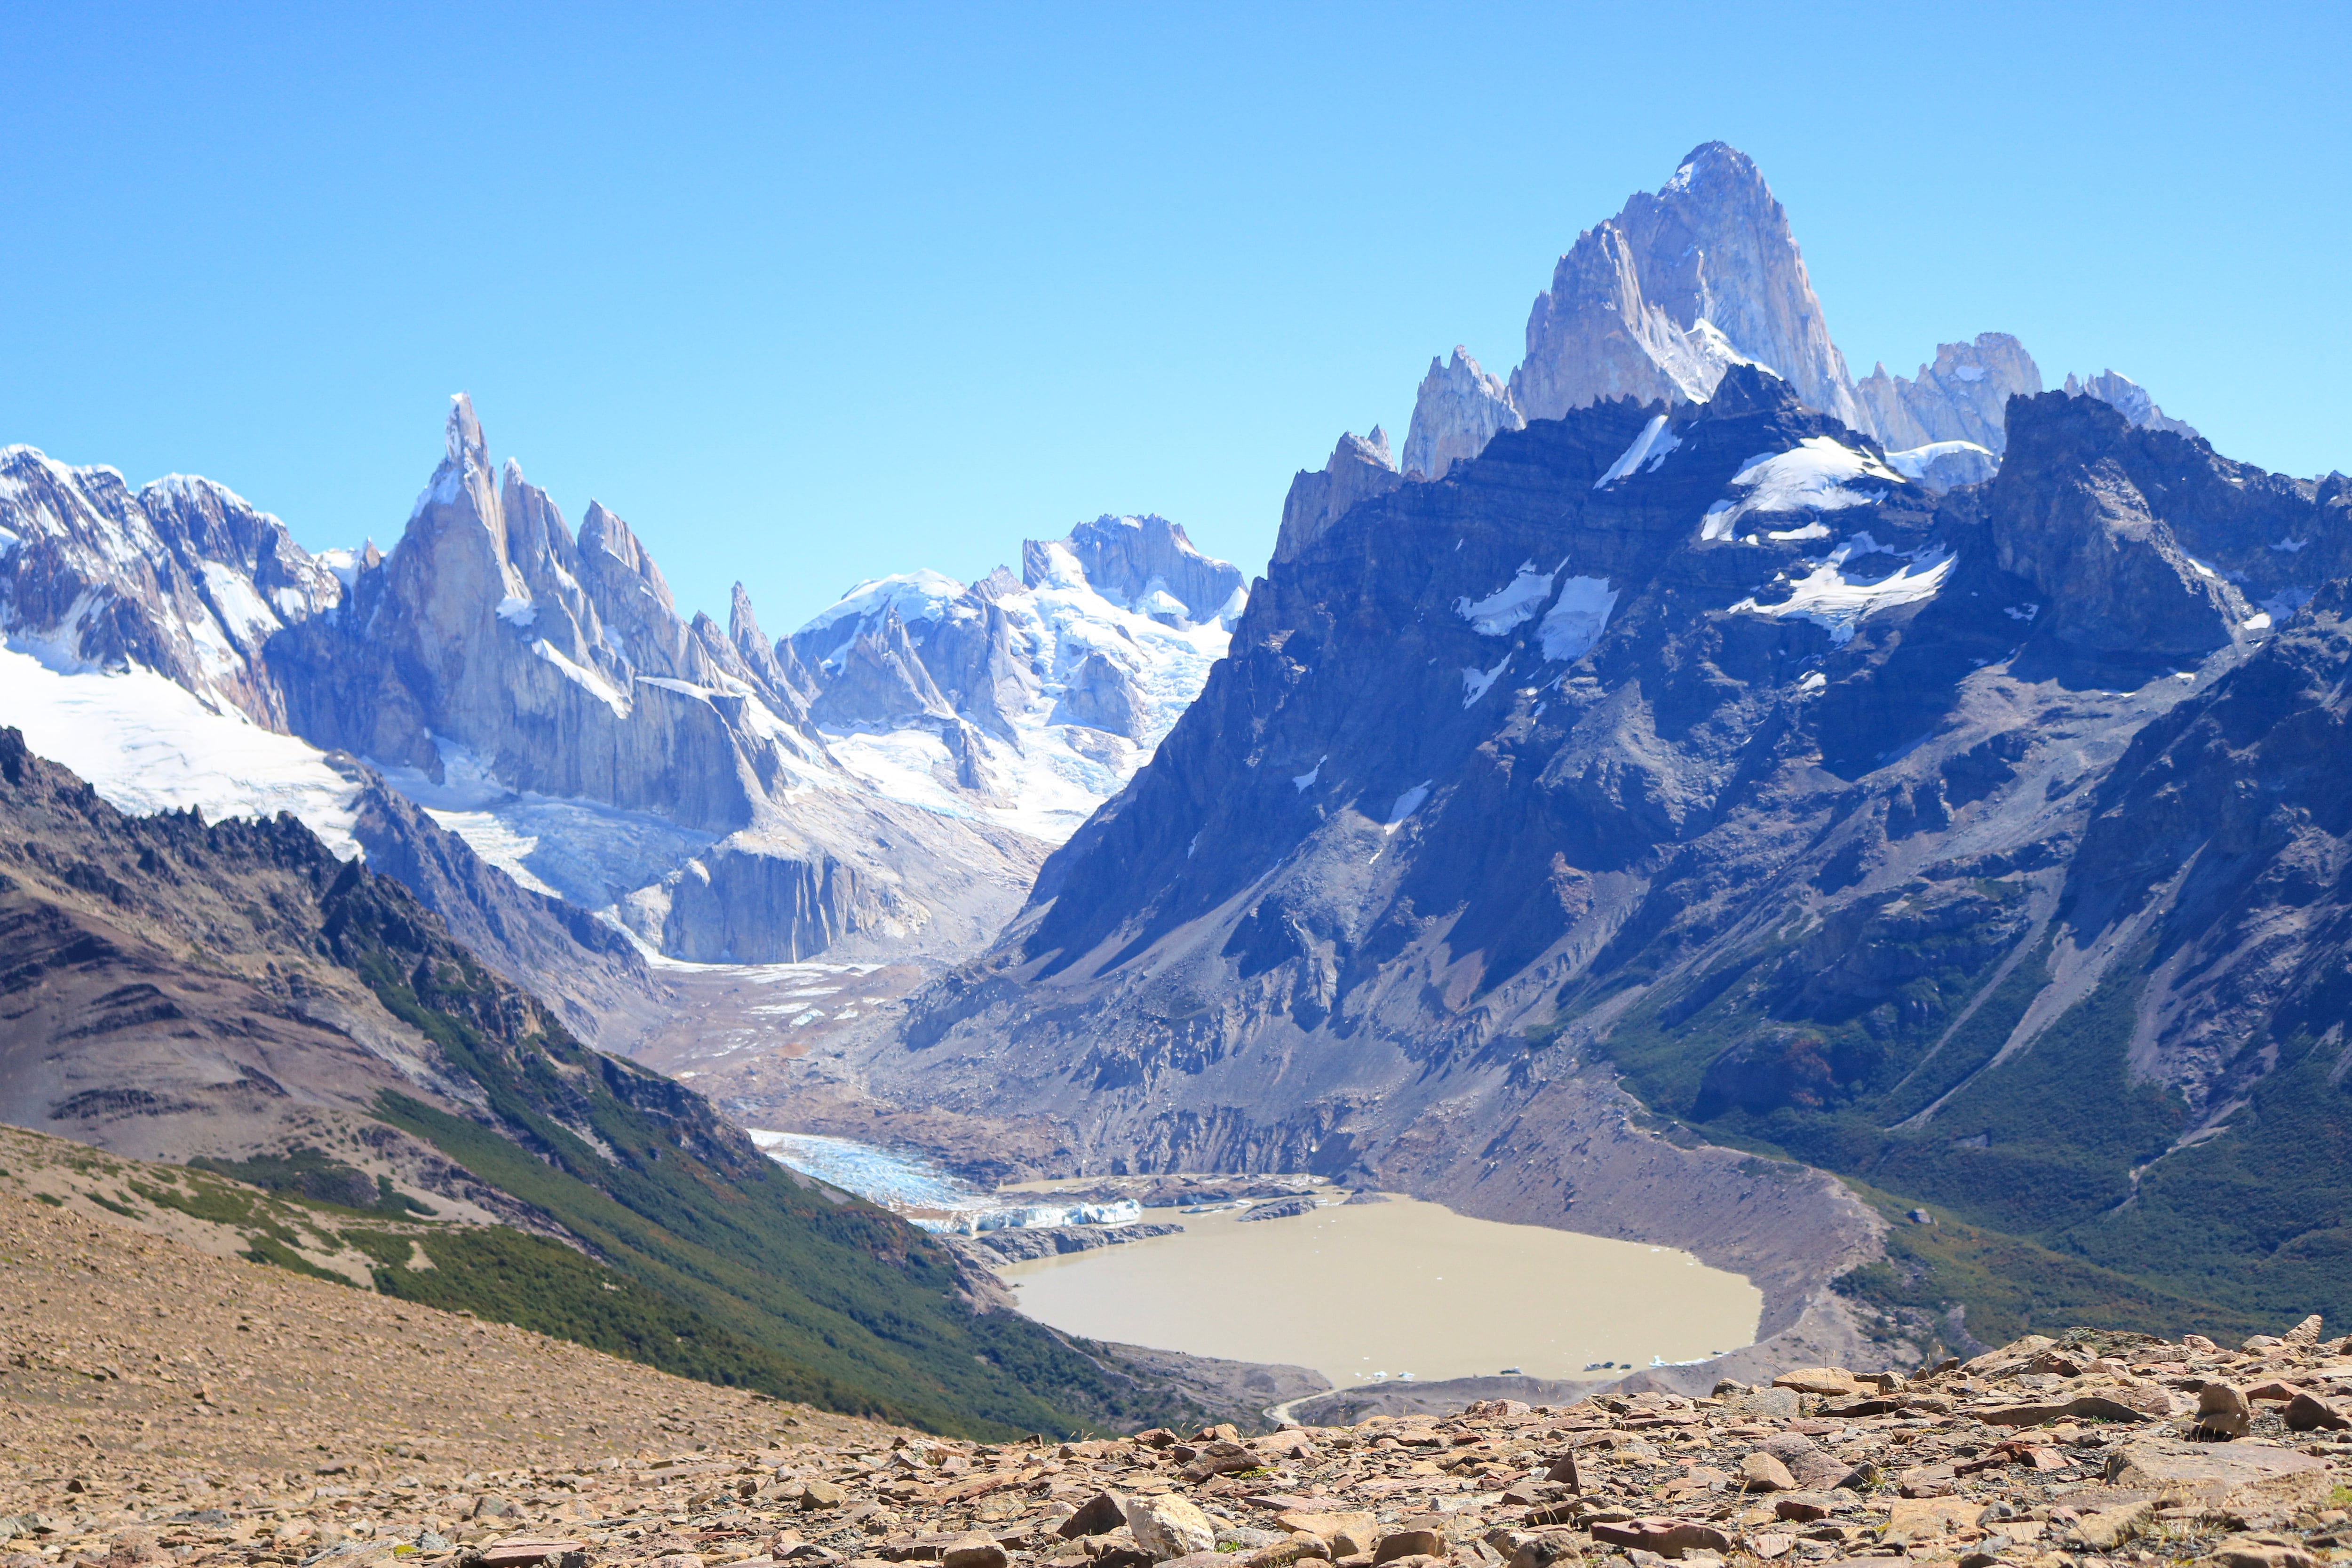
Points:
x=814, y=294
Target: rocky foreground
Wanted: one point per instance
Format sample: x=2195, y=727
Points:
x=161, y=1402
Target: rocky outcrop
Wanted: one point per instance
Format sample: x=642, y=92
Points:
x=2099, y=540
x=1457, y=410
x=2122, y=393
x=1359, y=470
x=1962, y=396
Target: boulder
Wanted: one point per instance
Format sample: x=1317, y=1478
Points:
x=1346, y=1533
x=1762, y=1472
x=2309, y=1413
x=1399, y=1543
x=976, y=1550
x=2223, y=1411
x=1170, y=1527
x=1098, y=1515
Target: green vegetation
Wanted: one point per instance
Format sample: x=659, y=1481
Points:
x=849, y=1307
x=312, y=1174
x=2052, y=1174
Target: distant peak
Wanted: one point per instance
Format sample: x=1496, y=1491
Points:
x=1711, y=162
x=462, y=437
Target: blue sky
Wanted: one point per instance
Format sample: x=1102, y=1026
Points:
x=811, y=295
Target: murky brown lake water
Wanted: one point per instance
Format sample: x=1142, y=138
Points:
x=1396, y=1286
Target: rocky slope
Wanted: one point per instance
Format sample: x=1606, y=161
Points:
x=233, y=994
x=721, y=797
x=1767, y=785
x=192, y=1426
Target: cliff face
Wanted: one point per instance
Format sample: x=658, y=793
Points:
x=1759, y=783
x=1963, y=396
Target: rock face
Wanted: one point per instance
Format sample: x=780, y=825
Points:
x=891, y=776
x=188, y=581
x=1658, y=302
x=1962, y=396
x=1457, y=412
x=1359, y=470
x=1625, y=753
x=2123, y=392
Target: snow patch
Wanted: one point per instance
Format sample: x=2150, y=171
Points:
x=1575, y=622
x=1306, y=781
x=1514, y=602
x=242, y=610
x=148, y=744
x=917, y=596
x=580, y=674
x=1832, y=598
x=1970, y=371
x=1650, y=446
x=1476, y=683
x=517, y=610
x=1406, y=804
x=1814, y=476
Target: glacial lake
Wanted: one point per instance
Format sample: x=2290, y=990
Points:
x=1369, y=1293
x=1360, y=1292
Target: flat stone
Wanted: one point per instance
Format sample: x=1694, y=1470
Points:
x=1666, y=1537
x=1924, y=1519
x=2104, y=1530
x=1827, y=1380
x=518, y=1552
x=821, y=1494
x=2239, y=1477
x=2251, y=1551
x=1762, y=1472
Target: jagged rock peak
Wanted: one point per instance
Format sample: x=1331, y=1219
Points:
x=1457, y=412
x=1145, y=564
x=2122, y=393
x=742, y=626
x=1963, y=396
x=1658, y=302
x=1358, y=467
x=462, y=438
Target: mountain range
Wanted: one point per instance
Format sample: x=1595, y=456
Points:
x=1876, y=835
